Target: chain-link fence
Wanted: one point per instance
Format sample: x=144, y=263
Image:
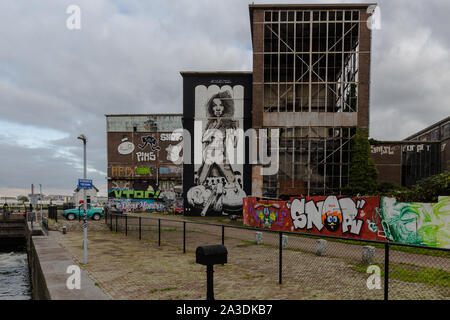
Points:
x=314, y=266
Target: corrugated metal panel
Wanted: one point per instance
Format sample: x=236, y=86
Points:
x=150, y=123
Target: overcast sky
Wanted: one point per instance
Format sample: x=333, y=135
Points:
x=56, y=83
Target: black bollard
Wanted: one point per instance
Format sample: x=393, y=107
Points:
x=209, y=256
x=210, y=282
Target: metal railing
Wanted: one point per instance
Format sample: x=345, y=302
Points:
x=404, y=271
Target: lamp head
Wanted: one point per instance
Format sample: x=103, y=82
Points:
x=82, y=137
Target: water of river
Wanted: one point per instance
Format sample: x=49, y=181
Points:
x=14, y=276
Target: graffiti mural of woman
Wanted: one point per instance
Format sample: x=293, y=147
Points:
x=217, y=184
x=220, y=108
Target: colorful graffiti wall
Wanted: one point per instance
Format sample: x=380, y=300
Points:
x=139, y=205
x=417, y=223
x=370, y=218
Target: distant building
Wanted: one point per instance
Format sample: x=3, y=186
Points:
x=419, y=156
x=91, y=195
x=141, y=173
x=58, y=198
x=438, y=132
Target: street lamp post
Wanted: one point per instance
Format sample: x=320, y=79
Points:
x=84, y=139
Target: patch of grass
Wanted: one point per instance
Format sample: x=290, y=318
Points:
x=252, y=276
x=412, y=273
x=163, y=289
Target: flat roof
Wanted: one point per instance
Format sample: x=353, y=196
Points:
x=400, y=142
x=214, y=72
x=303, y=6
x=428, y=128
x=144, y=115
x=312, y=5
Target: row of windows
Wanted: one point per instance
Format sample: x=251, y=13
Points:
x=318, y=155
x=315, y=37
x=441, y=133
x=331, y=97
x=309, y=15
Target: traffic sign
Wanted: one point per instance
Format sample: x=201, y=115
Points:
x=84, y=184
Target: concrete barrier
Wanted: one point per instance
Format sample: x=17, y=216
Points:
x=368, y=254
x=284, y=241
x=258, y=237
x=321, y=247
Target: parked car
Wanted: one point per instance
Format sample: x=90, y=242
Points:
x=178, y=210
x=92, y=213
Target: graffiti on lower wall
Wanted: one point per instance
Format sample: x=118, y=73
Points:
x=369, y=218
x=139, y=205
x=327, y=215
x=417, y=223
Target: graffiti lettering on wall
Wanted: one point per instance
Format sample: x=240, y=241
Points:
x=329, y=215
x=382, y=149
x=370, y=218
x=135, y=194
x=119, y=171
x=128, y=172
x=138, y=189
x=171, y=137
x=139, y=205
x=417, y=148
x=332, y=213
x=145, y=156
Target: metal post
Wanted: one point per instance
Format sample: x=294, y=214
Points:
x=159, y=232
x=184, y=236
x=386, y=271
x=126, y=225
x=83, y=138
x=209, y=282
x=110, y=222
x=223, y=235
x=280, y=258
x=116, y=223
x=140, y=233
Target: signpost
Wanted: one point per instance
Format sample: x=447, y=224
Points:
x=84, y=184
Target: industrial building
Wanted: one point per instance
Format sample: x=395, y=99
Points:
x=141, y=175
x=311, y=79
x=419, y=156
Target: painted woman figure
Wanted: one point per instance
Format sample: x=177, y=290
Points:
x=220, y=108
x=217, y=187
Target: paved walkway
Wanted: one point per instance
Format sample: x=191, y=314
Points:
x=126, y=268
x=54, y=261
